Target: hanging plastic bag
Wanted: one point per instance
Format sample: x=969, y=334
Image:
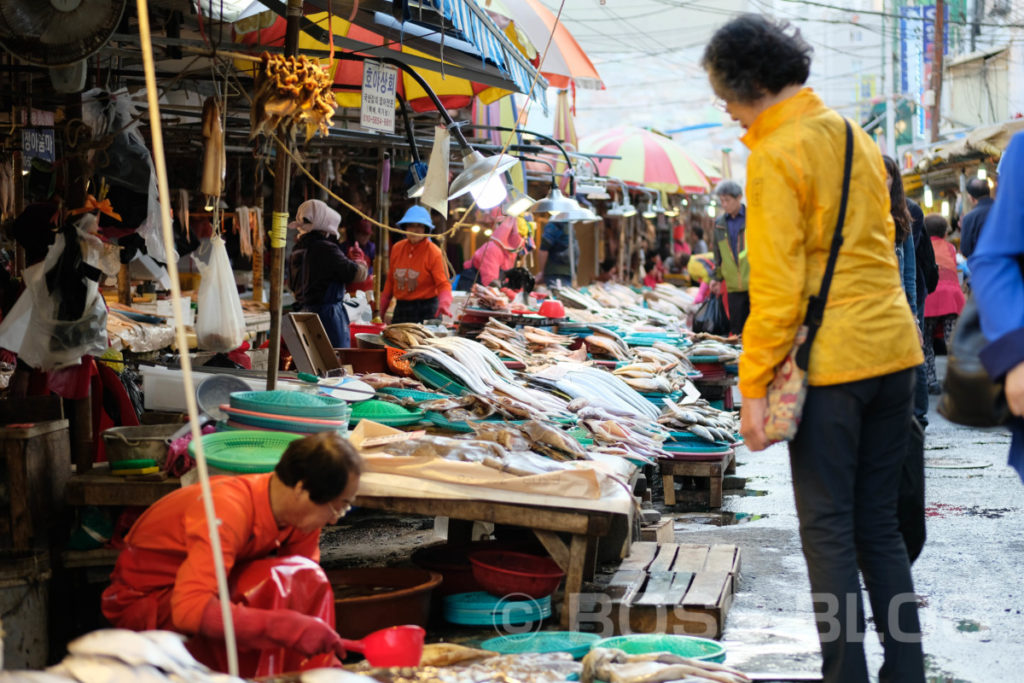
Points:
x=220, y=325
x=711, y=317
x=56, y=321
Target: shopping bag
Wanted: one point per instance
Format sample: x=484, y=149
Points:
x=786, y=394
x=711, y=318
x=220, y=325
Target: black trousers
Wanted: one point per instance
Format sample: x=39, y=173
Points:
x=739, y=309
x=846, y=462
x=414, y=310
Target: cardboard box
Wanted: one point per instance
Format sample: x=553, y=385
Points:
x=370, y=434
x=309, y=344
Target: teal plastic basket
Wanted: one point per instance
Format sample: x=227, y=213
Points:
x=385, y=413
x=484, y=609
x=701, y=649
x=293, y=403
x=414, y=394
x=575, y=643
x=441, y=381
x=245, y=452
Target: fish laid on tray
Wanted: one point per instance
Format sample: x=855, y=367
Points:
x=701, y=419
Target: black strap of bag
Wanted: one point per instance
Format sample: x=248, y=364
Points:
x=816, y=304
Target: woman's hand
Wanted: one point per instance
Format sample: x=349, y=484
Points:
x=1015, y=390
x=752, y=413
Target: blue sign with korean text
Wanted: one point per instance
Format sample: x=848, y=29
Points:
x=38, y=143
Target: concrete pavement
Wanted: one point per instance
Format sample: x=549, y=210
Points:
x=967, y=577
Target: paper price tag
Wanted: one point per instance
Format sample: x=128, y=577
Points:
x=278, y=230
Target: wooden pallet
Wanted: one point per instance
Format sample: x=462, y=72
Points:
x=675, y=588
x=708, y=475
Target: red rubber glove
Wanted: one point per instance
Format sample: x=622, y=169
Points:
x=262, y=629
x=356, y=254
x=385, y=303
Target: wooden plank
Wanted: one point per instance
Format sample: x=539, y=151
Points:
x=664, y=559
x=106, y=490
x=707, y=589
x=658, y=590
x=100, y=557
x=625, y=584
x=690, y=558
x=668, y=487
x=640, y=556
x=14, y=453
x=556, y=548
x=30, y=430
x=721, y=558
x=662, y=531
x=574, y=574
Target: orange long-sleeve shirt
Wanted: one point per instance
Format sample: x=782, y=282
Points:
x=416, y=272
x=171, y=547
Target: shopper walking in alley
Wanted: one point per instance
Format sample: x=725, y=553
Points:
x=729, y=241
x=972, y=222
x=997, y=268
x=847, y=455
x=944, y=304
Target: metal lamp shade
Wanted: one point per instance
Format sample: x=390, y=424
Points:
x=477, y=169
x=556, y=202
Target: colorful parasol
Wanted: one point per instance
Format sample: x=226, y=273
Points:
x=647, y=159
x=565, y=62
x=454, y=93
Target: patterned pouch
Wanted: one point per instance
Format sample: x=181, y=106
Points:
x=786, y=395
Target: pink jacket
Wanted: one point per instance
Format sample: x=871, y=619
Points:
x=498, y=253
x=948, y=298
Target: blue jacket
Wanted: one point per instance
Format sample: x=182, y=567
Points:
x=971, y=224
x=997, y=278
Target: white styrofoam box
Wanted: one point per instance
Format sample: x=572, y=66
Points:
x=164, y=388
x=164, y=308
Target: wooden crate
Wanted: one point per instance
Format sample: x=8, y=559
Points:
x=662, y=531
x=675, y=588
x=708, y=475
x=35, y=465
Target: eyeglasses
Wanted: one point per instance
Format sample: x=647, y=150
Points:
x=719, y=104
x=338, y=514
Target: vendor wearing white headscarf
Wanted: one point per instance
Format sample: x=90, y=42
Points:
x=319, y=269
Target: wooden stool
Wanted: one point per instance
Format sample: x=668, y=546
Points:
x=36, y=466
x=708, y=474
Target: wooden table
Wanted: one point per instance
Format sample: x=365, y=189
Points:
x=577, y=558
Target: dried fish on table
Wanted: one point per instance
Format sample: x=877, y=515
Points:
x=701, y=419
x=552, y=441
x=491, y=298
x=615, y=666
x=406, y=335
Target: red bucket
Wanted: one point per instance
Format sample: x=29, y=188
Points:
x=368, y=328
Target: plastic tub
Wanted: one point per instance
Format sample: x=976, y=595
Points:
x=135, y=443
x=373, y=598
x=701, y=649
x=355, y=329
x=574, y=642
x=504, y=573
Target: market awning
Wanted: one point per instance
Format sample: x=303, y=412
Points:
x=468, y=43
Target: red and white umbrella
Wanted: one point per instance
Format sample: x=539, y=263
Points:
x=647, y=159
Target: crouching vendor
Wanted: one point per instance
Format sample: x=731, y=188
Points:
x=282, y=602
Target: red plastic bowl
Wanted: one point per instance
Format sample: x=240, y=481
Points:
x=552, y=308
x=504, y=573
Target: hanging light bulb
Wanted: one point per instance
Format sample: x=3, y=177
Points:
x=712, y=209
x=929, y=200
x=488, y=232
x=518, y=203
x=209, y=204
x=475, y=228
x=982, y=172
x=491, y=193
x=945, y=208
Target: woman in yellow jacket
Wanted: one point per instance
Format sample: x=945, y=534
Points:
x=849, y=450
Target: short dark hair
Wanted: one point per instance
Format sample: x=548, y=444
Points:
x=697, y=231
x=323, y=464
x=753, y=56
x=936, y=225
x=729, y=187
x=977, y=188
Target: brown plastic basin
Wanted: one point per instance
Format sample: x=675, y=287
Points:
x=372, y=598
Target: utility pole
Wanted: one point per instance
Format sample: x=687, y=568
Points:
x=888, y=88
x=938, y=43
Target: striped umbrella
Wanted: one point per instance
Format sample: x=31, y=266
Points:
x=454, y=93
x=647, y=159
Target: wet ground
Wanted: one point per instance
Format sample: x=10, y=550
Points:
x=968, y=576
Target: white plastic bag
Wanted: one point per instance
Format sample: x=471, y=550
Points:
x=220, y=325
x=33, y=330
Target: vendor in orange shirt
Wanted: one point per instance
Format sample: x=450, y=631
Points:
x=282, y=602
x=417, y=277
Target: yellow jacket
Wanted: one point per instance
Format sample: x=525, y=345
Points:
x=794, y=185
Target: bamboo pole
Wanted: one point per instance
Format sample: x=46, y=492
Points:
x=279, y=220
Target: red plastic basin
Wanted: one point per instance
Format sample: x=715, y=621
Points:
x=503, y=573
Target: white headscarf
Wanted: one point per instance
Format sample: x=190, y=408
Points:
x=313, y=214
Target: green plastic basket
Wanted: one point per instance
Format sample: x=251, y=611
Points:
x=701, y=649
x=293, y=403
x=384, y=412
x=439, y=380
x=244, y=452
x=575, y=643
x=414, y=394
x=581, y=435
